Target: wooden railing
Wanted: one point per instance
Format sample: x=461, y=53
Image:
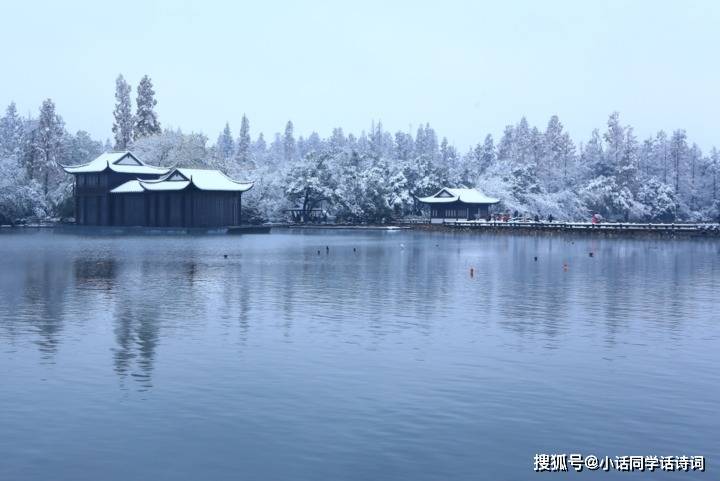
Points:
x=588, y=226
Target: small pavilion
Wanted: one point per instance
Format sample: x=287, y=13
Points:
x=458, y=204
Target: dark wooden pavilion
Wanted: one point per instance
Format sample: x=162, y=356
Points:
x=118, y=189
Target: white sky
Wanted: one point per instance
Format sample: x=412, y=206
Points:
x=468, y=68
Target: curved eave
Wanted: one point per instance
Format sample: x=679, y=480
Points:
x=437, y=200
x=141, y=186
x=75, y=169
x=450, y=200
x=241, y=187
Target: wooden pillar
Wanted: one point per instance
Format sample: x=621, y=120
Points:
x=183, y=209
x=146, y=208
x=191, y=219
x=167, y=210
x=75, y=200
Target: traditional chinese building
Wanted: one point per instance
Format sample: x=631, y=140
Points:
x=458, y=204
x=118, y=189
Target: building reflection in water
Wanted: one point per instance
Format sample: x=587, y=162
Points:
x=156, y=291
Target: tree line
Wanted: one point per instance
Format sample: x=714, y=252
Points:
x=376, y=175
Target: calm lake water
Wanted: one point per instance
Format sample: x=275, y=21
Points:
x=157, y=358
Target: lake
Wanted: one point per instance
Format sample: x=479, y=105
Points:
x=352, y=355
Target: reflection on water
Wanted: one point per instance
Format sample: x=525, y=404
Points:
x=378, y=358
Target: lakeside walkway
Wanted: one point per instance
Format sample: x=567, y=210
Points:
x=700, y=229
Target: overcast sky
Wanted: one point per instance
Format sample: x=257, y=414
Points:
x=468, y=68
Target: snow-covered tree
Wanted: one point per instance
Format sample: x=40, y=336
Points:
x=560, y=151
x=308, y=183
x=11, y=132
x=259, y=151
x=82, y=148
x=20, y=196
x=661, y=157
x=48, y=143
x=173, y=147
x=123, y=124
x=225, y=144
x=243, y=153
x=678, y=155
x=146, y=119
x=658, y=200
x=487, y=156
x=288, y=143
x=337, y=141
x=404, y=146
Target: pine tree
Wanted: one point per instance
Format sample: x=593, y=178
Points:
x=337, y=141
x=593, y=157
x=288, y=143
x=146, y=119
x=225, y=143
x=614, y=139
x=82, y=148
x=695, y=157
x=404, y=145
x=11, y=131
x=661, y=155
x=259, y=151
x=242, y=155
x=559, y=149
x=507, y=142
x=678, y=155
x=487, y=158
x=444, y=152
x=123, y=125
x=713, y=177
x=48, y=142
x=627, y=167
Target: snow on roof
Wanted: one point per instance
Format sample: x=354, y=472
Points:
x=466, y=196
x=131, y=186
x=180, y=178
x=205, y=179
x=123, y=162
